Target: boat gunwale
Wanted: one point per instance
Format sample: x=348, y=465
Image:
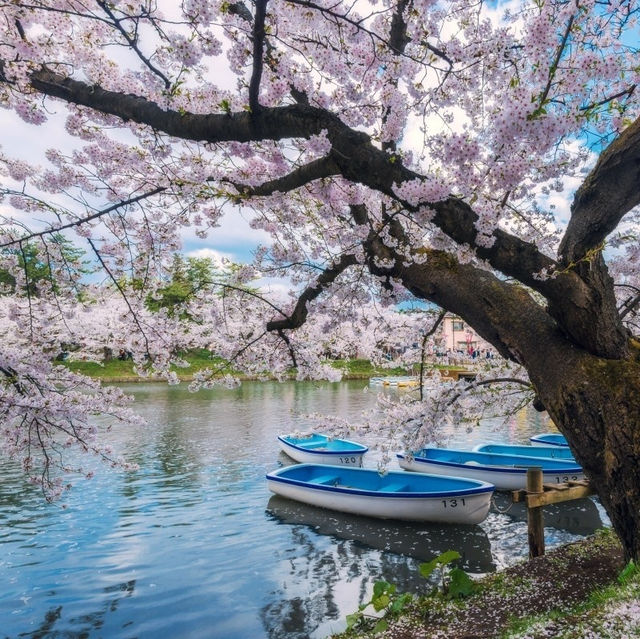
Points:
x=546, y=442
x=358, y=449
x=484, y=487
x=499, y=469
x=478, y=449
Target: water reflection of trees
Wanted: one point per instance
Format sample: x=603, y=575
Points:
x=83, y=625
x=334, y=558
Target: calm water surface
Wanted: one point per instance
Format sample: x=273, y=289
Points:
x=194, y=546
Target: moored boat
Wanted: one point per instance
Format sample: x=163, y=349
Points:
x=398, y=381
x=549, y=439
x=506, y=472
x=549, y=452
x=316, y=448
x=394, y=495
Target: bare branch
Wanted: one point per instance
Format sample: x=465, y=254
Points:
x=117, y=284
x=427, y=335
x=132, y=42
x=628, y=92
x=84, y=220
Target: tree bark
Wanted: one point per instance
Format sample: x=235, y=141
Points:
x=595, y=403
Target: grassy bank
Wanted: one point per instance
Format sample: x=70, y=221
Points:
x=578, y=591
x=116, y=370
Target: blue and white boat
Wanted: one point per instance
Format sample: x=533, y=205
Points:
x=315, y=448
x=394, y=495
x=548, y=452
x=549, y=439
x=506, y=472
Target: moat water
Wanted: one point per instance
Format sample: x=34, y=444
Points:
x=192, y=545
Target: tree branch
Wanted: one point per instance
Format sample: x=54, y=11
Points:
x=293, y=121
x=354, y=154
x=315, y=170
x=285, y=338
x=608, y=192
x=398, y=40
x=132, y=42
x=554, y=65
x=488, y=382
x=361, y=162
x=258, y=48
x=427, y=335
x=299, y=315
x=504, y=314
x=84, y=220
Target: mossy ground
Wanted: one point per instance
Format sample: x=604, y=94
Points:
x=573, y=592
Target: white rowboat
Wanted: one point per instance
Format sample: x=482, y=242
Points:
x=395, y=495
x=505, y=472
x=315, y=448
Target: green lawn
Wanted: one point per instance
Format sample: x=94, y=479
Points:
x=119, y=370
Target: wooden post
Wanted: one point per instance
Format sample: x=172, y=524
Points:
x=538, y=495
x=534, y=515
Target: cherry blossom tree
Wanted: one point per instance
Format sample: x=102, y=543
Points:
x=391, y=149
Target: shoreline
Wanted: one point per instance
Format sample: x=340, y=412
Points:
x=135, y=379
x=574, y=591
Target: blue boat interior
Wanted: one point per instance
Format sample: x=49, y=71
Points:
x=551, y=438
x=371, y=480
x=550, y=452
x=473, y=458
x=322, y=442
x=312, y=445
x=308, y=440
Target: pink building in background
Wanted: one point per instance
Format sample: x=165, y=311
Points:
x=456, y=336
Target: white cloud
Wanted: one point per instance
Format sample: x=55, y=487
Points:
x=217, y=257
x=275, y=289
x=234, y=238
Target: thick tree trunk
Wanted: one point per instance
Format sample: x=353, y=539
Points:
x=596, y=404
x=594, y=400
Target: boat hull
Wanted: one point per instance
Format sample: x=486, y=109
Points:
x=505, y=472
x=392, y=496
x=320, y=449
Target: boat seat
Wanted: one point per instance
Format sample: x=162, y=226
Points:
x=328, y=480
x=396, y=487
